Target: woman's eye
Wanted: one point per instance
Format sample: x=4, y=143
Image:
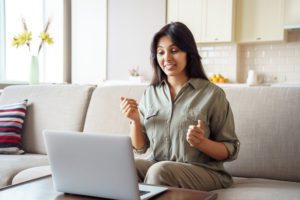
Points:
x=160, y=52
x=174, y=50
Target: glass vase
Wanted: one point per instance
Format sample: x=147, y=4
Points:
x=34, y=70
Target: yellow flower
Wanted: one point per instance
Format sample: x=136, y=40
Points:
x=46, y=38
x=15, y=42
x=23, y=38
x=26, y=37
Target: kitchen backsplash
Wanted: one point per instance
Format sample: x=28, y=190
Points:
x=273, y=62
x=220, y=59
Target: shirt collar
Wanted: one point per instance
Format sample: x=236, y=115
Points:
x=162, y=83
x=195, y=83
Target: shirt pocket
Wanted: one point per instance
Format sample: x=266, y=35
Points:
x=151, y=113
x=150, y=122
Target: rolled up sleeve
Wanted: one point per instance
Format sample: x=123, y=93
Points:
x=223, y=128
x=233, y=150
x=147, y=144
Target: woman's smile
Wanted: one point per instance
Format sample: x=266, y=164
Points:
x=170, y=66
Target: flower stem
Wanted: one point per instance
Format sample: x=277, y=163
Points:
x=45, y=30
x=26, y=30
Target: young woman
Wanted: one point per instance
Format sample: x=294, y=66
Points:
x=184, y=119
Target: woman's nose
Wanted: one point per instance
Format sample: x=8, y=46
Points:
x=168, y=56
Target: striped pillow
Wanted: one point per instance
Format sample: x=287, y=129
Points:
x=11, y=122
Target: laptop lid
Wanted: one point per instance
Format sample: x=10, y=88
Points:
x=99, y=165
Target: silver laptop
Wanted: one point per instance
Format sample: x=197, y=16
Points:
x=96, y=165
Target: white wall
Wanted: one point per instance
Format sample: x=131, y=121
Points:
x=131, y=26
x=89, y=19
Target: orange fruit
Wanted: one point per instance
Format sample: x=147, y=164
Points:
x=215, y=80
x=221, y=80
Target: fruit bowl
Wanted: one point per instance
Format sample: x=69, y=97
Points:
x=218, y=78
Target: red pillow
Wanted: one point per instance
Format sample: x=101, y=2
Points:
x=11, y=123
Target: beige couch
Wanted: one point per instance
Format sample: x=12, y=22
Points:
x=267, y=123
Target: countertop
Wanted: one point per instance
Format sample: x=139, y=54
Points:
x=223, y=85
x=283, y=84
x=240, y=85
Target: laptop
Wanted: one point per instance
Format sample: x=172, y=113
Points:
x=98, y=165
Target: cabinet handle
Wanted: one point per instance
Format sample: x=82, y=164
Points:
x=216, y=39
x=258, y=38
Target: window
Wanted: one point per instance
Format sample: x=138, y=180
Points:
x=15, y=62
x=2, y=43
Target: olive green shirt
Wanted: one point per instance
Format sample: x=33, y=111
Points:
x=166, y=123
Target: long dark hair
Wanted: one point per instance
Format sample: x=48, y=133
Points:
x=183, y=38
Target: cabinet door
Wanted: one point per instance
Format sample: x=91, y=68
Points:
x=292, y=12
x=187, y=12
x=217, y=21
x=259, y=20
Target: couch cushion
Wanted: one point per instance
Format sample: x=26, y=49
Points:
x=104, y=113
x=267, y=122
x=32, y=173
x=11, y=123
x=260, y=189
x=10, y=165
x=49, y=107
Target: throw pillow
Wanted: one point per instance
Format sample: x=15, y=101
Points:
x=11, y=122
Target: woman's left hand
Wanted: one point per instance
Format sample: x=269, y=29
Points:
x=195, y=134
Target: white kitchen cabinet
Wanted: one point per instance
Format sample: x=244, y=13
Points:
x=209, y=20
x=259, y=20
x=291, y=13
x=187, y=12
x=217, y=21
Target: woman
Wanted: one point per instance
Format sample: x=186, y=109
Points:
x=184, y=119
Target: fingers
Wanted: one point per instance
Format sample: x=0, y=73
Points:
x=128, y=111
x=201, y=124
x=198, y=128
x=127, y=102
x=195, y=133
x=129, y=108
x=192, y=139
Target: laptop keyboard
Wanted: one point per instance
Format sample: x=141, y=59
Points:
x=142, y=192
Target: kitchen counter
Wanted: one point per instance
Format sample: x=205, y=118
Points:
x=286, y=84
x=224, y=85
x=123, y=82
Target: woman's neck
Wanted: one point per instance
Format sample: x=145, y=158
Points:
x=175, y=84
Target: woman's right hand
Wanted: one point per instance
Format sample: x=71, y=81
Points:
x=129, y=108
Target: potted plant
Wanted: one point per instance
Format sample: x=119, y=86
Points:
x=25, y=38
x=134, y=75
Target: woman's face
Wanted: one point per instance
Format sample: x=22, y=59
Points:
x=170, y=58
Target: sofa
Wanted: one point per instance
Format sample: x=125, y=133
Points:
x=267, y=121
